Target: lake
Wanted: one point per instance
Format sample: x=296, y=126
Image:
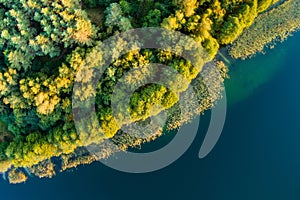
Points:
x=257, y=156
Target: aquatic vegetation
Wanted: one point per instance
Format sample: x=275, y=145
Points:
x=43, y=45
x=16, y=176
x=270, y=27
x=44, y=169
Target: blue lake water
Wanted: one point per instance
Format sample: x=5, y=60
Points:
x=256, y=158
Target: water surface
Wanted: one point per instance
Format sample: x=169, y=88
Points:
x=256, y=158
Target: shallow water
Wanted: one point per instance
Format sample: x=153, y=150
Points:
x=247, y=76
x=257, y=156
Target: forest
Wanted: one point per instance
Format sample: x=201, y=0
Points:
x=43, y=44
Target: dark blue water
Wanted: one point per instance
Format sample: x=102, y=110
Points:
x=256, y=158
